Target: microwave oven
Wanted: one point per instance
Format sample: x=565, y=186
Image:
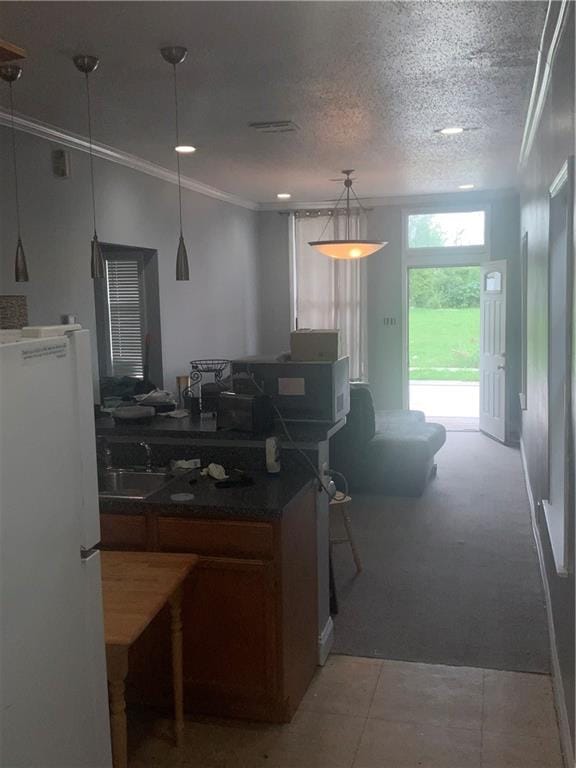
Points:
x=302, y=391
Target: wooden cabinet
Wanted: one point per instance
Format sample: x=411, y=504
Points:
x=226, y=537
x=231, y=648
x=249, y=610
x=123, y=532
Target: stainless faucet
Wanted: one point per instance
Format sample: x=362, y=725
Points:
x=148, y=450
x=106, y=453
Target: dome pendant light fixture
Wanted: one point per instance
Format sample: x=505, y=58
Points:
x=87, y=65
x=349, y=248
x=10, y=73
x=175, y=55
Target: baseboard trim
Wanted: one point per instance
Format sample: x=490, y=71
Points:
x=325, y=641
x=559, y=697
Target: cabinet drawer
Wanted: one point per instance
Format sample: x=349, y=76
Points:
x=123, y=531
x=216, y=537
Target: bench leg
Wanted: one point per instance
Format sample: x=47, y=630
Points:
x=117, y=669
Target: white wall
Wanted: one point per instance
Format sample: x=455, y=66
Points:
x=274, y=260
x=213, y=315
x=384, y=297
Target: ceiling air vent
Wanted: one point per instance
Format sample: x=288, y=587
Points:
x=275, y=126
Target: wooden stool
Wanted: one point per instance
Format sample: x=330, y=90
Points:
x=342, y=502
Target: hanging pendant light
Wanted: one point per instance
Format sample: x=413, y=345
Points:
x=87, y=65
x=10, y=73
x=349, y=248
x=175, y=55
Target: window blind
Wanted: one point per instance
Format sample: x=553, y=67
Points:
x=125, y=311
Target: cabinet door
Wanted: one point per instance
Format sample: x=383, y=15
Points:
x=119, y=531
x=230, y=645
x=231, y=663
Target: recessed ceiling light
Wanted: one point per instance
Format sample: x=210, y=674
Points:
x=185, y=149
x=466, y=186
x=451, y=130
x=283, y=195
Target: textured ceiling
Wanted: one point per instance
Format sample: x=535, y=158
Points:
x=367, y=82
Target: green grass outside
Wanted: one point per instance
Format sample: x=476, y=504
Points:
x=442, y=339
x=439, y=374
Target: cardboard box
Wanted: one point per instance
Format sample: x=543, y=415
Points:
x=313, y=346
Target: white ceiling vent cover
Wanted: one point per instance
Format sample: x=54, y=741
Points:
x=275, y=126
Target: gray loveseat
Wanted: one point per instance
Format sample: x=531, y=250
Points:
x=389, y=452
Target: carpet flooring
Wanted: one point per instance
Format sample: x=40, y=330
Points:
x=451, y=577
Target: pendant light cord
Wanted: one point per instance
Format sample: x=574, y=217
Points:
x=90, y=152
x=348, y=210
x=358, y=201
x=332, y=214
x=16, y=191
x=345, y=191
x=178, y=144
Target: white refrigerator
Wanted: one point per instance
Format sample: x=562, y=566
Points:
x=53, y=690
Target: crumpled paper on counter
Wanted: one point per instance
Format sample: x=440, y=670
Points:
x=215, y=471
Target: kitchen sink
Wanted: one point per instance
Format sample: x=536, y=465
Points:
x=130, y=484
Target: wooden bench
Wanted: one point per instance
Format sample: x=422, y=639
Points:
x=135, y=588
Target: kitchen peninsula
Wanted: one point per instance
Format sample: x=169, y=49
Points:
x=250, y=608
x=256, y=609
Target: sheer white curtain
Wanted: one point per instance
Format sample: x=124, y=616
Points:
x=331, y=293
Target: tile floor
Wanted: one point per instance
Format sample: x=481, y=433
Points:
x=367, y=713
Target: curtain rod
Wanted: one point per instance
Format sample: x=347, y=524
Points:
x=310, y=213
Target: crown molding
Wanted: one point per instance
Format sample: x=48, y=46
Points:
x=439, y=199
x=542, y=77
x=295, y=206
x=73, y=141
x=463, y=199
x=562, y=177
x=103, y=151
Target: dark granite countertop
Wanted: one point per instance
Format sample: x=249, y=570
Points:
x=303, y=433
x=264, y=500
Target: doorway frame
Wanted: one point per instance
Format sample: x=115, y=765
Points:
x=448, y=256
x=563, y=549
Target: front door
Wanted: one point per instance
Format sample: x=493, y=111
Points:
x=493, y=349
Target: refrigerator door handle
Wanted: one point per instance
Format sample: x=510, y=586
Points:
x=83, y=416
x=87, y=554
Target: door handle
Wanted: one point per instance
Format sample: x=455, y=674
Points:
x=88, y=554
x=501, y=367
